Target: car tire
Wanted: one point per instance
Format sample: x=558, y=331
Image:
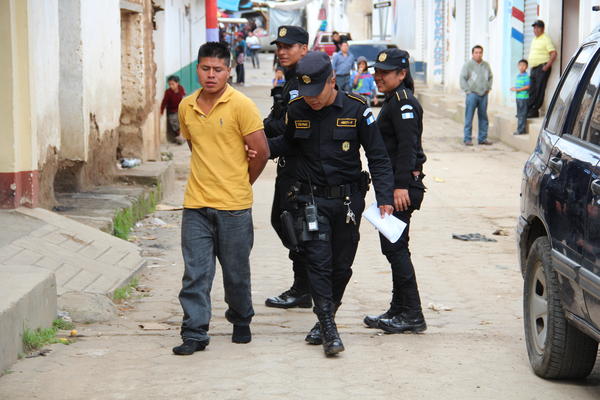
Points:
x=556, y=349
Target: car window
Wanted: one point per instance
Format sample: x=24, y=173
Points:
x=368, y=51
x=585, y=104
x=593, y=132
x=569, y=84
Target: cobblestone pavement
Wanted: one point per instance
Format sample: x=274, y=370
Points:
x=475, y=350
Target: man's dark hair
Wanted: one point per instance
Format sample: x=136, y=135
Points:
x=335, y=33
x=523, y=61
x=215, y=50
x=476, y=47
x=173, y=78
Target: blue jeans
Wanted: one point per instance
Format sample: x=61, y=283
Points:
x=343, y=82
x=522, y=115
x=207, y=234
x=480, y=102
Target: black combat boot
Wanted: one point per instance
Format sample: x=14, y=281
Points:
x=290, y=299
x=332, y=343
x=372, y=321
x=412, y=321
x=314, y=336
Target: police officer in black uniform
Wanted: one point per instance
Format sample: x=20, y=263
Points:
x=401, y=124
x=325, y=128
x=292, y=44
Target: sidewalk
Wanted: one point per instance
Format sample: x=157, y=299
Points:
x=45, y=255
x=503, y=121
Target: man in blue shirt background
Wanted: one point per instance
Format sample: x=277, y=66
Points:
x=342, y=62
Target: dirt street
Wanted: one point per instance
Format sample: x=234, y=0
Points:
x=475, y=350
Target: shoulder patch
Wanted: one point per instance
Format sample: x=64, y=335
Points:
x=357, y=98
x=295, y=99
x=406, y=107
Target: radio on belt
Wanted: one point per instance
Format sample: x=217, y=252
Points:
x=310, y=212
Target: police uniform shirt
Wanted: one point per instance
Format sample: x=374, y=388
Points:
x=328, y=141
x=400, y=122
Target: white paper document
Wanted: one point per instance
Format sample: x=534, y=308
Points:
x=389, y=226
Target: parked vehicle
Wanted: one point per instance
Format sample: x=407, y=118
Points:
x=559, y=226
x=324, y=42
x=369, y=49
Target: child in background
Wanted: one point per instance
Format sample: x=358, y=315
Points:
x=522, y=93
x=363, y=82
x=279, y=79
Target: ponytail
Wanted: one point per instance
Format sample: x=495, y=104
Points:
x=408, y=81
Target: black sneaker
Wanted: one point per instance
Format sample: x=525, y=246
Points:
x=189, y=347
x=241, y=334
x=290, y=299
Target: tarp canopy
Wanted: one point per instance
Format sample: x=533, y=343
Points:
x=231, y=5
x=283, y=17
x=232, y=20
x=287, y=5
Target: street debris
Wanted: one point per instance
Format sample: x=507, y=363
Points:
x=130, y=162
x=139, y=225
x=41, y=353
x=439, y=307
x=167, y=207
x=500, y=232
x=472, y=237
x=438, y=179
x=154, y=326
x=157, y=221
x=166, y=156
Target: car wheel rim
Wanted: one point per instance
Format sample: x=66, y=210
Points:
x=538, y=309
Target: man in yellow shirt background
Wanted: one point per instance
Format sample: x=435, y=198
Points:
x=218, y=122
x=542, y=54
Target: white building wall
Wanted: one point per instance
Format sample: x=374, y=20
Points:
x=184, y=33
x=101, y=40
x=44, y=75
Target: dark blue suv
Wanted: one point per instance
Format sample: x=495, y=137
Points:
x=559, y=226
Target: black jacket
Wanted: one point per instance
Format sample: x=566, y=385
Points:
x=401, y=125
x=327, y=143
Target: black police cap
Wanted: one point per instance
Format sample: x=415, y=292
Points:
x=391, y=59
x=291, y=34
x=313, y=70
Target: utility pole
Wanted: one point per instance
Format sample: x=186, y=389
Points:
x=212, y=28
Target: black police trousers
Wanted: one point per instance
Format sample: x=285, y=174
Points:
x=405, y=297
x=330, y=254
x=280, y=204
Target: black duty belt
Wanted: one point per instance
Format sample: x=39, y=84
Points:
x=329, y=192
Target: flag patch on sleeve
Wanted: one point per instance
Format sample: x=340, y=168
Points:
x=408, y=115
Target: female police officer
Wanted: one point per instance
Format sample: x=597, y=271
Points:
x=401, y=123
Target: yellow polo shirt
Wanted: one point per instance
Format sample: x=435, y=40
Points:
x=539, y=52
x=219, y=168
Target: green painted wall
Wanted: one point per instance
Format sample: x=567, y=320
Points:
x=187, y=77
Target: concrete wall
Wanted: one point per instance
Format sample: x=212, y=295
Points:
x=44, y=73
x=101, y=62
x=90, y=73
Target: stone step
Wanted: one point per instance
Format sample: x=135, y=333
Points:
x=27, y=301
x=116, y=208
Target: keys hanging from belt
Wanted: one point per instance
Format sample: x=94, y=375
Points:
x=349, y=213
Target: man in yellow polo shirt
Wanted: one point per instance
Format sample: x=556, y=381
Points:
x=542, y=54
x=218, y=122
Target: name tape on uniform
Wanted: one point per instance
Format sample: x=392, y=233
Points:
x=346, y=122
x=302, y=123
